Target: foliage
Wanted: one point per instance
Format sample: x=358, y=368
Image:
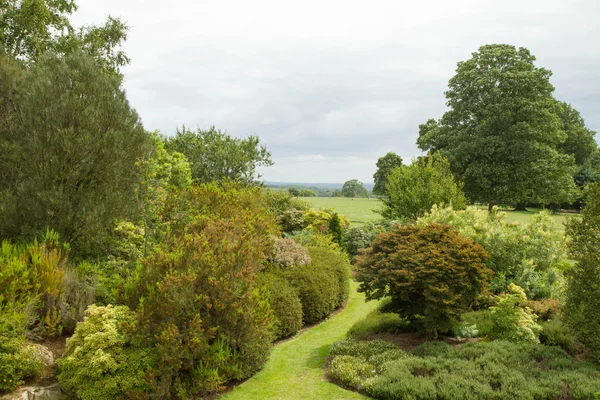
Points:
x=292, y=220
x=320, y=221
x=530, y=255
x=502, y=133
x=29, y=29
x=309, y=238
x=17, y=362
x=102, y=359
x=86, y=143
x=545, y=309
x=413, y=190
x=358, y=238
x=354, y=188
x=284, y=302
x=379, y=321
x=335, y=228
x=555, y=333
x=385, y=165
x=196, y=299
x=287, y=253
x=431, y=273
x=496, y=370
x=216, y=156
x=512, y=320
x=288, y=210
x=323, y=285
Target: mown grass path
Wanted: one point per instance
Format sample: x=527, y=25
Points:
x=295, y=368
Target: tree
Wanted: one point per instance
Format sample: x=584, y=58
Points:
x=502, y=133
x=385, y=165
x=294, y=192
x=335, y=228
x=29, y=28
x=431, y=273
x=354, y=188
x=215, y=156
x=413, y=190
x=74, y=142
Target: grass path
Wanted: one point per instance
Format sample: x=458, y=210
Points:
x=295, y=368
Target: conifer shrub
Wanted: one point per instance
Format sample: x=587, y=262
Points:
x=431, y=274
x=284, y=302
x=103, y=360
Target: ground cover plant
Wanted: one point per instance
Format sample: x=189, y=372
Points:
x=477, y=370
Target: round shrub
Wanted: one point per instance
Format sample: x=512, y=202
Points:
x=318, y=291
x=337, y=263
x=512, y=320
x=431, y=273
x=101, y=359
x=284, y=302
x=288, y=253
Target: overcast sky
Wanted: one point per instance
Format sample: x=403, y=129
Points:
x=330, y=86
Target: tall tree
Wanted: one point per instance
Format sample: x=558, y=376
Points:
x=385, y=165
x=74, y=142
x=354, y=188
x=29, y=28
x=214, y=155
x=502, y=133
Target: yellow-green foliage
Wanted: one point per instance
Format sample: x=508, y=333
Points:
x=512, y=320
x=284, y=301
x=318, y=221
x=531, y=255
x=102, y=361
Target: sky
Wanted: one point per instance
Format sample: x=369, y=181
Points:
x=329, y=86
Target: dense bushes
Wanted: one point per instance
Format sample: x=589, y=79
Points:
x=530, y=255
x=102, y=361
x=288, y=253
x=431, y=274
x=582, y=308
x=284, y=301
x=323, y=285
x=496, y=370
x=512, y=320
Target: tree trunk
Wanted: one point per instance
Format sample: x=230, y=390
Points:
x=490, y=206
x=520, y=207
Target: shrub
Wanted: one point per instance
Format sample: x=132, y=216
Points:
x=102, y=360
x=358, y=238
x=318, y=221
x=335, y=228
x=284, y=302
x=545, y=309
x=478, y=370
x=512, y=320
x=530, y=255
x=582, y=306
x=337, y=264
x=378, y=322
x=291, y=220
x=431, y=274
x=196, y=299
x=288, y=253
x=555, y=333
x=308, y=238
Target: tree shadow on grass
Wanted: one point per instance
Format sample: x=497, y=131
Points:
x=317, y=356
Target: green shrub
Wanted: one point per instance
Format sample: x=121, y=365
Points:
x=102, y=361
x=477, y=370
x=291, y=220
x=555, y=333
x=309, y=238
x=480, y=320
x=545, y=309
x=512, y=320
x=531, y=255
x=284, y=302
x=379, y=322
x=358, y=238
x=195, y=297
x=337, y=263
x=431, y=273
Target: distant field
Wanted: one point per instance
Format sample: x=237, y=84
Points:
x=359, y=211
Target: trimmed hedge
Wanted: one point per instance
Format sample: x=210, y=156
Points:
x=284, y=301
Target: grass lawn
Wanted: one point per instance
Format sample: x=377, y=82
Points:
x=358, y=211
x=295, y=368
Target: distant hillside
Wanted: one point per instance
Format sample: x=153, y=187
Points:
x=308, y=185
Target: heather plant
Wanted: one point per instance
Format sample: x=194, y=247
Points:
x=531, y=255
x=431, y=273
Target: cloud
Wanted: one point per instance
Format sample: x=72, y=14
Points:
x=331, y=86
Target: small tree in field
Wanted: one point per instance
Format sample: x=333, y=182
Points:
x=431, y=273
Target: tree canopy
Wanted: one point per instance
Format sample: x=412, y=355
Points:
x=354, y=188
x=412, y=190
x=214, y=155
x=385, y=165
x=503, y=133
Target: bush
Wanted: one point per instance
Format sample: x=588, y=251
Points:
x=512, y=320
x=582, y=306
x=379, y=322
x=431, y=274
x=477, y=370
x=323, y=285
x=102, y=361
x=358, y=238
x=196, y=299
x=284, y=302
x=308, y=238
x=531, y=255
x=545, y=309
x=288, y=253
x=555, y=333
